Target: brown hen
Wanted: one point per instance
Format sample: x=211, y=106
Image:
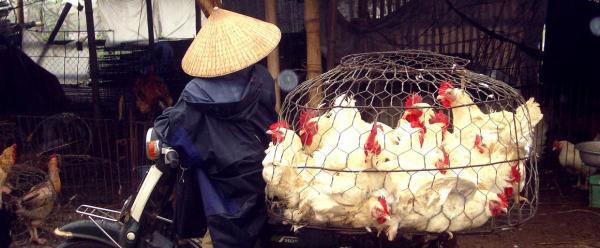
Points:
x=38, y=203
x=7, y=160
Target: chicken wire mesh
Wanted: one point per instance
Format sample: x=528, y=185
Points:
x=406, y=141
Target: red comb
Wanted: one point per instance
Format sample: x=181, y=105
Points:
x=439, y=117
x=515, y=172
x=412, y=100
x=556, y=144
x=508, y=191
x=383, y=203
x=279, y=124
x=503, y=198
x=445, y=85
x=305, y=116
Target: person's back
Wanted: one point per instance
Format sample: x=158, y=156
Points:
x=218, y=125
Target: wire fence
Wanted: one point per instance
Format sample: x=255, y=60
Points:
x=405, y=141
x=67, y=57
x=101, y=158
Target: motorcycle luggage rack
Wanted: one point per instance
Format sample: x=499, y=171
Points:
x=99, y=213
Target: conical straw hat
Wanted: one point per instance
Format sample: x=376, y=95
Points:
x=229, y=42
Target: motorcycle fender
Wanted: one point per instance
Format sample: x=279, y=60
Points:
x=86, y=229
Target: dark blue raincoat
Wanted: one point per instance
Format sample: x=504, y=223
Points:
x=218, y=126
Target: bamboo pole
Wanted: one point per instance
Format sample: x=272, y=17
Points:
x=331, y=34
x=20, y=14
x=149, y=19
x=93, y=57
x=59, y=22
x=313, y=48
x=198, y=11
x=374, y=9
x=363, y=9
x=207, y=6
x=273, y=57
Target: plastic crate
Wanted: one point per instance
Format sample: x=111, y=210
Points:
x=595, y=191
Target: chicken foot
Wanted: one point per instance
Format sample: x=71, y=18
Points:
x=449, y=236
x=519, y=199
x=33, y=232
x=5, y=189
x=581, y=186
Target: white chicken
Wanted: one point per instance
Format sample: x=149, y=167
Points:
x=569, y=158
x=284, y=151
x=469, y=122
x=494, y=138
x=330, y=196
x=448, y=204
x=423, y=200
x=419, y=134
x=342, y=134
x=374, y=212
x=461, y=212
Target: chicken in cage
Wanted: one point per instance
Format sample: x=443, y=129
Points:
x=403, y=142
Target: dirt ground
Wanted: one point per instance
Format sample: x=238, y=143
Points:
x=561, y=221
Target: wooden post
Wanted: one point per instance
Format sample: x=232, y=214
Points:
x=363, y=20
x=273, y=57
x=363, y=9
x=59, y=22
x=198, y=10
x=20, y=13
x=93, y=57
x=331, y=34
x=313, y=47
x=206, y=6
x=150, y=21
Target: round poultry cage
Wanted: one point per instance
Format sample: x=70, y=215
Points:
x=403, y=142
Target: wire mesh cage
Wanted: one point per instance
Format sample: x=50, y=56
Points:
x=407, y=141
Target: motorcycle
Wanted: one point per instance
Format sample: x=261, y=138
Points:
x=146, y=219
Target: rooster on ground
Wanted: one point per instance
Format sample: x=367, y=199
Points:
x=38, y=203
x=7, y=160
x=570, y=159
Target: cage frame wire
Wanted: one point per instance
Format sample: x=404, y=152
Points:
x=376, y=68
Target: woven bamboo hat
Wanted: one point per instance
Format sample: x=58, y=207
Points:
x=229, y=42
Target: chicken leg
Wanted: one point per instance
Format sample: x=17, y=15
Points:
x=34, y=233
x=581, y=186
x=519, y=199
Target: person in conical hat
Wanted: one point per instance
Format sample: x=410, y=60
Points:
x=218, y=127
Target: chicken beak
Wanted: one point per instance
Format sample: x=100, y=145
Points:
x=387, y=218
x=269, y=132
x=504, y=210
x=301, y=132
